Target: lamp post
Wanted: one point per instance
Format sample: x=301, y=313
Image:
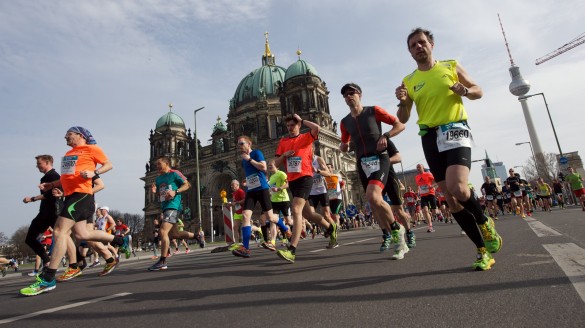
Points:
x=523, y=170
x=197, y=167
x=549, y=117
x=533, y=155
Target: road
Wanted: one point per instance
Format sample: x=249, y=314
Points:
x=538, y=281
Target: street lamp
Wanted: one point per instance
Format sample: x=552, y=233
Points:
x=523, y=170
x=533, y=156
x=197, y=167
x=549, y=117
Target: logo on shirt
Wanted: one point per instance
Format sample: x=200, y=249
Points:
x=419, y=86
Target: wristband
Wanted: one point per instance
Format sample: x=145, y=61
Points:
x=250, y=160
x=466, y=91
x=33, y=199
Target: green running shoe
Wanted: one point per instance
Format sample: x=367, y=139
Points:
x=286, y=255
x=385, y=243
x=398, y=236
x=333, y=236
x=493, y=241
x=484, y=260
x=410, y=239
x=40, y=286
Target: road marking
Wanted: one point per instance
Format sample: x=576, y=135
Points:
x=60, y=308
x=571, y=259
x=540, y=229
x=353, y=242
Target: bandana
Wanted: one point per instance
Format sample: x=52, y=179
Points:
x=85, y=133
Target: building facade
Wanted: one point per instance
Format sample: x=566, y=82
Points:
x=261, y=100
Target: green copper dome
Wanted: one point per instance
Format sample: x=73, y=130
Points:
x=170, y=119
x=300, y=67
x=260, y=83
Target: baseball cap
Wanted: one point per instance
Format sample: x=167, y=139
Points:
x=104, y=208
x=351, y=86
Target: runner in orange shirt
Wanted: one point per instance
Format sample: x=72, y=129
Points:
x=425, y=182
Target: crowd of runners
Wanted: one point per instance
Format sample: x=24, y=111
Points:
x=299, y=193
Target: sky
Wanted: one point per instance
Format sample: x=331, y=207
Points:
x=114, y=66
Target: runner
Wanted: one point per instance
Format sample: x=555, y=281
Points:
x=280, y=204
x=363, y=125
x=437, y=89
x=544, y=193
x=78, y=167
x=428, y=202
x=576, y=182
x=238, y=197
x=558, y=190
x=411, y=199
x=335, y=186
x=489, y=191
x=294, y=153
x=169, y=185
x=318, y=195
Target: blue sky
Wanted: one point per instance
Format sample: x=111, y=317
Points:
x=114, y=66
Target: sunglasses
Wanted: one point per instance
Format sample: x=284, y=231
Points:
x=351, y=93
x=241, y=143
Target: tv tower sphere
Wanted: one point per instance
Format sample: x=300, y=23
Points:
x=519, y=86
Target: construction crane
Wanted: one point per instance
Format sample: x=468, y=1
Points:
x=577, y=41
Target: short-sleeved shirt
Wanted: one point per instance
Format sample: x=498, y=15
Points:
x=490, y=189
x=80, y=158
x=365, y=129
x=49, y=202
x=425, y=183
x=300, y=163
x=48, y=240
x=514, y=183
x=172, y=180
x=277, y=180
x=119, y=229
x=410, y=198
x=575, y=180
x=255, y=179
x=238, y=195
x=180, y=225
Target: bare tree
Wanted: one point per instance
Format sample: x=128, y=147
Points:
x=547, y=168
x=18, y=247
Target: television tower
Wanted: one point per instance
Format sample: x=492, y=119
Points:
x=519, y=87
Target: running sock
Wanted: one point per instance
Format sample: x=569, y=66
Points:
x=246, y=234
x=73, y=266
x=264, y=230
x=467, y=223
x=473, y=206
x=330, y=229
x=385, y=232
x=281, y=225
x=395, y=226
x=48, y=274
x=292, y=249
x=110, y=260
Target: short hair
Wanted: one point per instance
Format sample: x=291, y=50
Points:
x=164, y=159
x=291, y=118
x=246, y=138
x=120, y=219
x=47, y=158
x=420, y=30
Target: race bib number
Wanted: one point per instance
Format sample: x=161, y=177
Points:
x=370, y=164
x=425, y=189
x=68, y=164
x=332, y=194
x=253, y=181
x=454, y=135
x=293, y=164
x=163, y=192
x=518, y=193
x=498, y=197
x=318, y=181
x=489, y=197
x=409, y=200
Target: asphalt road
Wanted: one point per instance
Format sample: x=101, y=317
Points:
x=538, y=281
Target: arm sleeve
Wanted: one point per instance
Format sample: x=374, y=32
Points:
x=345, y=137
x=383, y=116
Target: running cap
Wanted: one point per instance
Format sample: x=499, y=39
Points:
x=351, y=85
x=104, y=208
x=85, y=133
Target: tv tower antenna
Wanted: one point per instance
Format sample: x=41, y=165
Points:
x=506, y=41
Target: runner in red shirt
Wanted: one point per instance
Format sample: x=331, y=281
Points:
x=425, y=182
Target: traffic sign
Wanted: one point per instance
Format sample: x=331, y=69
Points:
x=563, y=160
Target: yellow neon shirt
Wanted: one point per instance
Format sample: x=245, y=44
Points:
x=435, y=103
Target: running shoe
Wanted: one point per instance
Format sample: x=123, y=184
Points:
x=333, y=236
x=176, y=251
x=127, y=253
x=398, y=235
x=241, y=252
x=269, y=246
x=40, y=286
x=187, y=251
x=286, y=255
x=83, y=265
x=34, y=273
x=332, y=245
x=288, y=234
x=463, y=233
x=410, y=239
x=94, y=264
x=431, y=229
x=109, y=268
x=303, y=234
x=386, y=241
x=4, y=270
x=484, y=260
x=234, y=246
x=69, y=274
x=399, y=252
x=493, y=241
x=158, y=266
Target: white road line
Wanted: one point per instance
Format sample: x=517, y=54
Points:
x=540, y=229
x=64, y=307
x=353, y=242
x=571, y=259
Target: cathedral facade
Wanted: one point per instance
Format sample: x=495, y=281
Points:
x=261, y=100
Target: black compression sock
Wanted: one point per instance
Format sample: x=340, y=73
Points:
x=395, y=226
x=467, y=224
x=473, y=206
x=48, y=274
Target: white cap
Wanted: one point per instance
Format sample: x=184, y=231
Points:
x=104, y=208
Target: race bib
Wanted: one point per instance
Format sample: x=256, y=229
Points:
x=163, y=192
x=425, y=189
x=318, y=181
x=370, y=164
x=332, y=194
x=253, y=181
x=293, y=164
x=518, y=193
x=68, y=164
x=498, y=197
x=409, y=200
x=489, y=197
x=454, y=135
